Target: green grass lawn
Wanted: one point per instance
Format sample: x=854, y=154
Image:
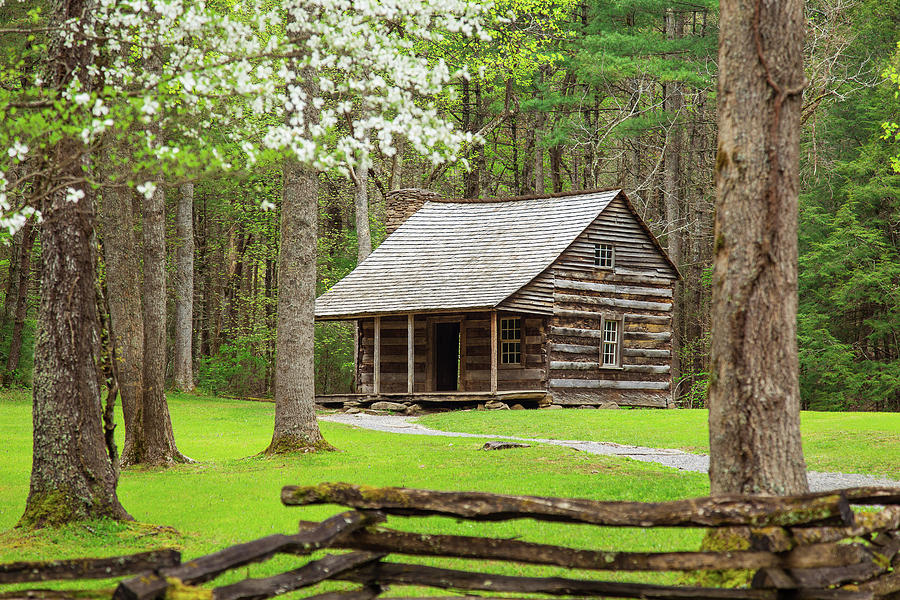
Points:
x=231, y=496
x=832, y=441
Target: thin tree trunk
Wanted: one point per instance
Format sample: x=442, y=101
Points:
x=12, y=280
x=159, y=441
x=24, y=272
x=754, y=392
x=184, y=289
x=296, y=428
x=538, y=157
x=361, y=210
x=673, y=102
x=123, y=276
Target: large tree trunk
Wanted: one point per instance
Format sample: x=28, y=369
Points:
x=159, y=441
x=21, y=293
x=754, y=393
x=123, y=276
x=72, y=476
x=72, y=473
x=184, y=289
x=296, y=428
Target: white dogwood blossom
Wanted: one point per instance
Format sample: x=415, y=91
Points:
x=329, y=82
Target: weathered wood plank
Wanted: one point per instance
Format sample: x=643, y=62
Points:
x=87, y=568
x=643, y=318
x=646, y=352
x=647, y=277
x=407, y=574
x=574, y=348
x=605, y=384
x=714, y=511
x=307, y=575
x=613, y=302
x=579, y=397
x=646, y=368
x=205, y=568
x=664, y=336
x=576, y=332
x=589, y=286
x=573, y=365
x=384, y=540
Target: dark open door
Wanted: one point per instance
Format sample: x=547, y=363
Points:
x=446, y=356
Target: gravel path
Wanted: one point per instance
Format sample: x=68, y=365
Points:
x=676, y=459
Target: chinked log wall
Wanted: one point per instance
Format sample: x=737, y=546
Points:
x=639, y=290
x=475, y=367
x=804, y=547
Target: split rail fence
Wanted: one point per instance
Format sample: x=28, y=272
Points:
x=818, y=546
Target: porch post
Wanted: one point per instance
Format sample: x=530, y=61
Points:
x=356, y=383
x=377, y=357
x=494, y=360
x=410, y=353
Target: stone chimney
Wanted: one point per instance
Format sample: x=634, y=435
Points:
x=399, y=205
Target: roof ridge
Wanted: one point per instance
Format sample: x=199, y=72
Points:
x=450, y=200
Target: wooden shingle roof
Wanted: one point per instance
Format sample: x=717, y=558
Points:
x=462, y=255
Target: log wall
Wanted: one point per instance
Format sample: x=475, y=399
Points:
x=639, y=290
x=530, y=375
x=393, y=355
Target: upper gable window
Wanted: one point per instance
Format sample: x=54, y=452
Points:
x=604, y=256
x=511, y=341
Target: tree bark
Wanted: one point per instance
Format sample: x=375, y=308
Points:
x=296, y=428
x=123, y=276
x=158, y=446
x=72, y=473
x=673, y=103
x=21, y=293
x=754, y=392
x=361, y=210
x=184, y=289
x=72, y=476
x=12, y=279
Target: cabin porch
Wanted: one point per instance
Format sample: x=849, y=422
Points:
x=452, y=357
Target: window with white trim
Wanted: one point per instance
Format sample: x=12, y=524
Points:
x=604, y=256
x=611, y=342
x=511, y=341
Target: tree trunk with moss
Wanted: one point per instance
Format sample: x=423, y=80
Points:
x=754, y=404
x=21, y=302
x=158, y=447
x=72, y=475
x=184, y=289
x=123, y=276
x=296, y=428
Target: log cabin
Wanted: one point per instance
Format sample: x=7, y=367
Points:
x=563, y=299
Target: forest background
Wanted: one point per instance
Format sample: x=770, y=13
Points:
x=567, y=95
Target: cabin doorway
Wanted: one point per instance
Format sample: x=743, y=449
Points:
x=446, y=357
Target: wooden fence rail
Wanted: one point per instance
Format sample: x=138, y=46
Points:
x=814, y=547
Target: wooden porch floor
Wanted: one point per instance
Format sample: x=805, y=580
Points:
x=443, y=397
